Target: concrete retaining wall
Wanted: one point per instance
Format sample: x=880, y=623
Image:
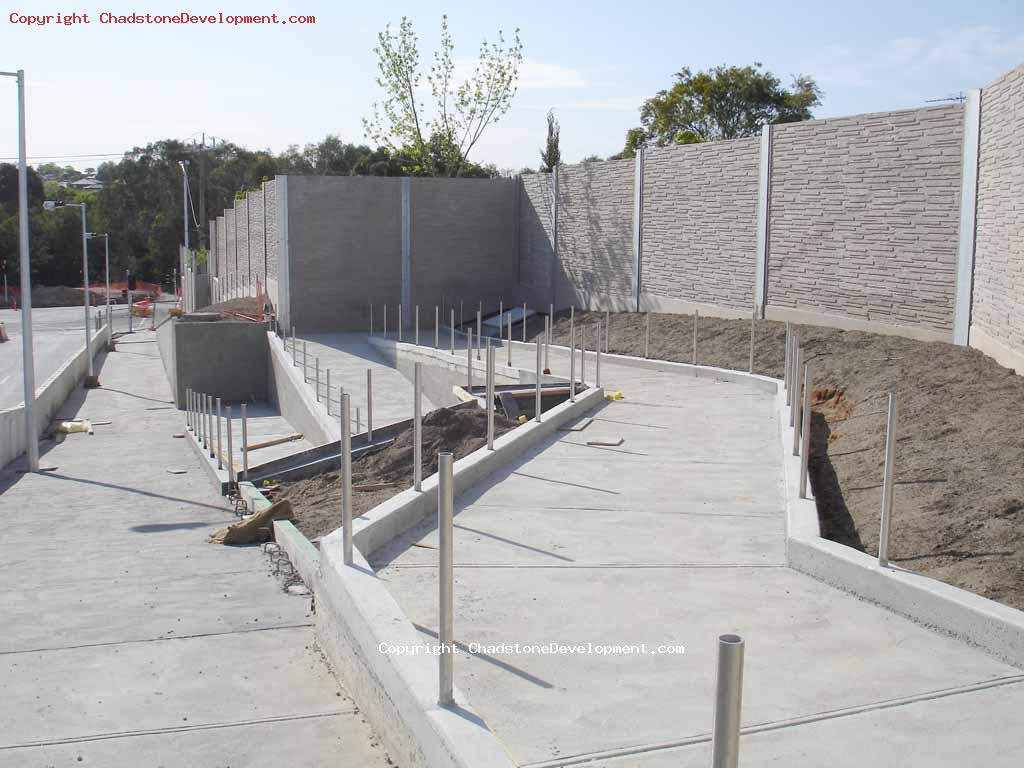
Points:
x=295, y=399
x=226, y=359
x=50, y=397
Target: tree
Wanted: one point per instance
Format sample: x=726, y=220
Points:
x=551, y=155
x=722, y=103
x=439, y=144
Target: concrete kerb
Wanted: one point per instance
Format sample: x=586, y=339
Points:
x=218, y=476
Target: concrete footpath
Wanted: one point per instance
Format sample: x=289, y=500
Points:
x=128, y=640
x=670, y=539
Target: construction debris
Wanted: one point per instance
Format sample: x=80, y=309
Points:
x=609, y=442
x=275, y=441
x=72, y=427
x=254, y=528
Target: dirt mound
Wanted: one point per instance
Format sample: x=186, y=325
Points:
x=316, y=501
x=44, y=296
x=246, y=305
x=959, y=493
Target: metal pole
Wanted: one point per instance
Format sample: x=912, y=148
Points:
x=753, y=318
x=358, y=422
x=328, y=391
x=245, y=444
x=597, y=358
x=490, y=396
x=85, y=281
x=220, y=445
x=725, y=735
x=316, y=360
x=417, y=428
x=451, y=333
x=399, y=322
x=461, y=314
x=437, y=327
x=547, y=343
x=385, y=321
x=805, y=433
x=416, y=336
x=209, y=406
x=446, y=580
x=369, y=405
x=346, y=480
x=607, y=328
x=524, y=322
x=188, y=408
x=696, y=322
x=294, y=349
x=231, y=450
x=371, y=318
x=479, y=330
x=469, y=359
x=510, y=338
x=792, y=395
x=887, y=482
x=785, y=368
x=572, y=365
x=106, y=242
x=647, y=335
x=203, y=431
x=305, y=362
x=583, y=355
x=27, y=352
x=572, y=323
x=536, y=400
x=797, y=401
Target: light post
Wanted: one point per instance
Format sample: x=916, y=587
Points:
x=51, y=205
x=106, y=265
x=27, y=363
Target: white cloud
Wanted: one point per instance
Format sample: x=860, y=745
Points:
x=538, y=75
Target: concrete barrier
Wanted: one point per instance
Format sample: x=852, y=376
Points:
x=50, y=397
x=295, y=399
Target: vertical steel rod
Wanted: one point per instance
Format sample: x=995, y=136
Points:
x=792, y=395
x=725, y=734
x=202, y=419
x=294, y=352
x=245, y=444
x=437, y=327
x=597, y=357
x=524, y=322
x=417, y=428
x=797, y=401
x=328, y=391
x=479, y=330
x=547, y=343
x=231, y=451
x=572, y=366
x=750, y=365
x=210, y=405
x=536, y=399
x=369, y=405
x=188, y=408
x=607, y=328
x=359, y=424
x=416, y=336
x=696, y=322
x=305, y=362
x=446, y=580
x=510, y=338
x=647, y=335
x=399, y=321
x=785, y=368
x=317, y=381
x=346, y=479
x=385, y=321
x=451, y=335
x=805, y=433
x=220, y=445
x=583, y=355
x=469, y=360
x=490, y=396
x=572, y=323
x=887, y=482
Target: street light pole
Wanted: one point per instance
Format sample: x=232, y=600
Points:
x=50, y=205
x=27, y=362
x=106, y=264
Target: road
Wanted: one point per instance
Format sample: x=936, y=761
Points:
x=58, y=334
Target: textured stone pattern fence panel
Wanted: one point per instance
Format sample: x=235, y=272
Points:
x=595, y=231
x=222, y=246
x=999, y=249
x=230, y=249
x=257, y=241
x=242, y=239
x=535, y=251
x=864, y=216
x=273, y=248
x=699, y=222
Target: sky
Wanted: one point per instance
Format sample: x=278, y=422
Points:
x=95, y=90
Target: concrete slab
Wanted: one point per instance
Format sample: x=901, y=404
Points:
x=672, y=538
x=124, y=621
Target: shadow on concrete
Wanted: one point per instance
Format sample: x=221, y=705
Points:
x=129, y=489
x=502, y=539
x=833, y=515
x=490, y=660
x=162, y=527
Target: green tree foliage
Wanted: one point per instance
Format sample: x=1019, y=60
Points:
x=140, y=203
x=722, y=103
x=439, y=143
x=551, y=155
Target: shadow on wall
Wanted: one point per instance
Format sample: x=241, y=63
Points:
x=596, y=258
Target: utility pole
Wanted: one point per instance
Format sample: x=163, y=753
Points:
x=202, y=195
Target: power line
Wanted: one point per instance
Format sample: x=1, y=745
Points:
x=65, y=157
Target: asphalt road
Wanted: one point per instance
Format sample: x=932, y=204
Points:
x=58, y=334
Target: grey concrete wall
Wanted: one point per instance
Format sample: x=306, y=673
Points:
x=226, y=359
x=535, y=252
x=222, y=247
x=344, y=250
x=462, y=239
x=864, y=217
x=257, y=235
x=595, y=235
x=272, y=245
x=699, y=225
x=997, y=320
x=231, y=251
x=242, y=238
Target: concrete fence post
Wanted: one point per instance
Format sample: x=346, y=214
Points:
x=446, y=580
x=245, y=444
x=490, y=396
x=369, y=405
x=346, y=480
x=231, y=451
x=805, y=433
x=887, y=482
x=537, y=396
x=725, y=732
x=417, y=428
x=220, y=445
x=469, y=360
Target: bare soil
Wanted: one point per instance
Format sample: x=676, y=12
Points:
x=247, y=305
x=316, y=501
x=959, y=492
